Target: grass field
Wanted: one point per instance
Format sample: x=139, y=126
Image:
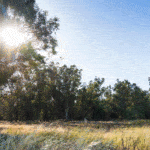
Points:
x=75, y=135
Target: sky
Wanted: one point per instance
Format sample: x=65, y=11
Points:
x=106, y=38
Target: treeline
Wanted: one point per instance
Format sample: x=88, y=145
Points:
x=48, y=92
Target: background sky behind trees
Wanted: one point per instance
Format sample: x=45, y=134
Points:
x=107, y=39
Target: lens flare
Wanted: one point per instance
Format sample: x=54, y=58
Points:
x=12, y=36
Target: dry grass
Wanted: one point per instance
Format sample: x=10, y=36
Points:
x=130, y=138
x=22, y=128
x=134, y=135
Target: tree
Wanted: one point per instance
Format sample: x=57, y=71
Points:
x=22, y=86
x=122, y=98
x=30, y=64
x=88, y=100
x=129, y=101
x=140, y=103
x=39, y=25
x=68, y=81
x=108, y=104
x=95, y=93
x=82, y=106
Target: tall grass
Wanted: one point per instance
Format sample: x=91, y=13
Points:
x=135, y=135
x=49, y=142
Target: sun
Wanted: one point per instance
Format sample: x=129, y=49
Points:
x=12, y=36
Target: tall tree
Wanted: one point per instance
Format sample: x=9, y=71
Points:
x=88, y=100
x=122, y=97
x=95, y=93
x=67, y=83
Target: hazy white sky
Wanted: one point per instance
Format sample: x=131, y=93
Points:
x=106, y=38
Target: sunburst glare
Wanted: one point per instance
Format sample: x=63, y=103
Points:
x=12, y=36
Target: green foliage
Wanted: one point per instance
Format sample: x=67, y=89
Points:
x=129, y=101
x=30, y=54
x=68, y=81
x=88, y=100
